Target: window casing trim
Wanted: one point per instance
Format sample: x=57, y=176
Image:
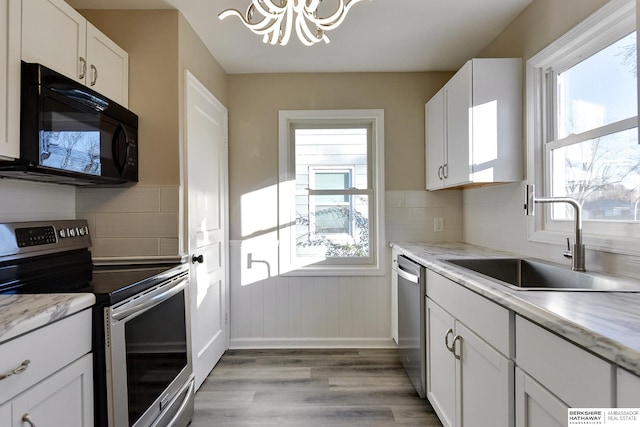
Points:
x=611, y=22
x=286, y=190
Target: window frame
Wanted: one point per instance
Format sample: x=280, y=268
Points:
x=614, y=20
x=287, y=121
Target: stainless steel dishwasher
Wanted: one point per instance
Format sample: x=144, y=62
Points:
x=411, y=321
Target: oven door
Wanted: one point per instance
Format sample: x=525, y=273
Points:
x=148, y=356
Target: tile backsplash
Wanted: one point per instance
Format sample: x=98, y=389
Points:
x=410, y=216
x=34, y=201
x=133, y=222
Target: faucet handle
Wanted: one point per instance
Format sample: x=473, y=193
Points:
x=568, y=253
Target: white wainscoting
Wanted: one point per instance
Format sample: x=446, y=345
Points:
x=271, y=311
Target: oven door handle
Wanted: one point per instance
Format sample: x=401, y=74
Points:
x=148, y=301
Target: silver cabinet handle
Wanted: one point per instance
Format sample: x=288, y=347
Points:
x=94, y=75
x=16, y=371
x=440, y=173
x=83, y=68
x=457, y=339
x=446, y=340
x=445, y=171
x=27, y=419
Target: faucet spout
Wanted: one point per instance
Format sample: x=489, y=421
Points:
x=578, y=254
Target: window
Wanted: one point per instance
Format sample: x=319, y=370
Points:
x=331, y=191
x=583, y=128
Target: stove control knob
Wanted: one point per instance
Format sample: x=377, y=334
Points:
x=71, y=232
x=81, y=231
x=63, y=233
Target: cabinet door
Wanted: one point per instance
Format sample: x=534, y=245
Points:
x=435, y=140
x=54, y=34
x=107, y=66
x=458, y=128
x=10, y=79
x=5, y=414
x=65, y=399
x=535, y=405
x=441, y=365
x=485, y=382
x=628, y=389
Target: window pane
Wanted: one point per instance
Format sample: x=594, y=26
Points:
x=331, y=225
x=599, y=90
x=338, y=229
x=603, y=174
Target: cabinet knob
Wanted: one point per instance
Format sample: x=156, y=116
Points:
x=197, y=259
x=26, y=418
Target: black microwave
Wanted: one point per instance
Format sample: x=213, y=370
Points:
x=71, y=134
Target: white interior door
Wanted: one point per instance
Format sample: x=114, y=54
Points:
x=206, y=202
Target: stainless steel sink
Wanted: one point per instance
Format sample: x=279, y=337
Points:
x=527, y=274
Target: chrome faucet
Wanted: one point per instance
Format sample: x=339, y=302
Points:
x=578, y=254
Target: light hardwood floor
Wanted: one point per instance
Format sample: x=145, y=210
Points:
x=310, y=388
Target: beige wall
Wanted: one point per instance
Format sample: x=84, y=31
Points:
x=161, y=44
x=254, y=102
x=493, y=216
x=145, y=220
x=151, y=39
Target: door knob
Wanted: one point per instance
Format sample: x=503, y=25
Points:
x=198, y=259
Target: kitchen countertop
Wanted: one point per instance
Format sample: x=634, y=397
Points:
x=606, y=323
x=23, y=313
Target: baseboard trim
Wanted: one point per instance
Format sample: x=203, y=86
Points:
x=310, y=343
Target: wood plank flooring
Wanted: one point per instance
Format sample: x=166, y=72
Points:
x=310, y=388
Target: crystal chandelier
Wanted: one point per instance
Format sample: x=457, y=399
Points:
x=278, y=18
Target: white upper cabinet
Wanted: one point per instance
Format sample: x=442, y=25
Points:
x=107, y=66
x=57, y=36
x=474, y=126
x=9, y=79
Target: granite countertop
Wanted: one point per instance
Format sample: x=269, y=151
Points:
x=606, y=323
x=23, y=313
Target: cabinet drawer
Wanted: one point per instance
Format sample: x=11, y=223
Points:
x=487, y=319
x=48, y=349
x=576, y=376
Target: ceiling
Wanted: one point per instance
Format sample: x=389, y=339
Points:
x=376, y=36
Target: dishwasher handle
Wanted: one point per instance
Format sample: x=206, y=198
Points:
x=413, y=278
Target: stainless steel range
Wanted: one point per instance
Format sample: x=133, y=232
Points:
x=141, y=336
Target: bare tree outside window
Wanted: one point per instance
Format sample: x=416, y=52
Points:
x=595, y=157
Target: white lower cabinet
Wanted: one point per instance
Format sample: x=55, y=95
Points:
x=64, y=399
x=628, y=389
x=536, y=406
x=51, y=381
x=469, y=383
